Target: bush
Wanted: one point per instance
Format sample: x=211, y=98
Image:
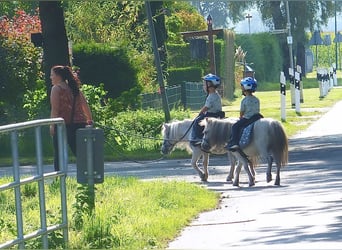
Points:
x=188, y=74
x=101, y=63
x=138, y=131
x=179, y=56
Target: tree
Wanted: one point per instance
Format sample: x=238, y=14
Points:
x=10, y=8
x=303, y=15
x=117, y=23
x=20, y=63
x=55, y=42
x=184, y=17
x=223, y=12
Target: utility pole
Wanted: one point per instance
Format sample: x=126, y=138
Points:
x=157, y=62
x=249, y=16
x=289, y=42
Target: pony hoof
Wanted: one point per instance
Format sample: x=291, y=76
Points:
x=252, y=184
x=235, y=184
x=269, y=178
x=204, y=178
x=229, y=179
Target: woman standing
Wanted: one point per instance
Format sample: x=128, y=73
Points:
x=68, y=102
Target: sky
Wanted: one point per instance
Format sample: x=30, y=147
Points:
x=256, y=24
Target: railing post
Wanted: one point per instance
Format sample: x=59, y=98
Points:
x=16, y=175
x=40, y=172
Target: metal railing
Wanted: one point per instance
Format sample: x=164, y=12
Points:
x=39, y=177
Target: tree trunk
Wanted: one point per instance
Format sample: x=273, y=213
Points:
x=55, y=42
x=280, y=23
x=277, y=16
x=300, y=19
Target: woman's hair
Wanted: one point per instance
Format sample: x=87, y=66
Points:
x=69, y=77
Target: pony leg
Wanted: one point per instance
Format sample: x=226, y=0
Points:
x=243, y=160
x=277, y=181
x=250, y=176
x=237, y=174
x=233, y=161
x=252, y=169
x=269, y=169
x=196, y=155
x=205, y=167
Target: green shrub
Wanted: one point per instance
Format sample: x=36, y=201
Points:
x=179, y=56
x=188, y=74
x=19, y=72
x=138, y=131
x=101, y=63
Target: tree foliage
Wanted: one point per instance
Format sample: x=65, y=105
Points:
x=184, y=17
x=20, y=62
x=304, y=15
x=119, y=24
x=223, y=12
x=106, y=22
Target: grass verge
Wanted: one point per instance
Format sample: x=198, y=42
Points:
x=129, y=213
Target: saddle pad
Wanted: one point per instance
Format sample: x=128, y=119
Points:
x=246, y=136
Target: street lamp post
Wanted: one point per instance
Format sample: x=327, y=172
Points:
x=249, y=16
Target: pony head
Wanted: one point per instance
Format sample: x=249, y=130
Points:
x=175, y=134
x=168, y=144
x=216, y=133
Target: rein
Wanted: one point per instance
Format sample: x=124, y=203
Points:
x=182, y=137
x=187, y=130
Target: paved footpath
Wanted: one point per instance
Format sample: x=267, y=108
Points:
x=305, y=212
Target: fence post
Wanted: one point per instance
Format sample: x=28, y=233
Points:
x=297, y=87
x=334, y=74
x=292, y=86
x=320, y=82
x=283, y=96
x=183, y=94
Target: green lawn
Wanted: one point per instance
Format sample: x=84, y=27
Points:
x=129, y=213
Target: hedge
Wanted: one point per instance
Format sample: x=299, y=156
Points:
x=102, y=63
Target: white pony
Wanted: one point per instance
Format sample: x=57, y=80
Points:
x=176, y=134
x=269, y=141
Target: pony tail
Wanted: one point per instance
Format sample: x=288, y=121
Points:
x=280, y=142
x=73, y=81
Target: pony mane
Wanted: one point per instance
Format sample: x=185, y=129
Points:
x=176, y=130
x=220, y=129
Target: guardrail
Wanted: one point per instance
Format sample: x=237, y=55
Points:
x=39, y=177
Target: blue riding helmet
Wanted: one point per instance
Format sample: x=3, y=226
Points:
x=249, y=83
x=215, y=80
